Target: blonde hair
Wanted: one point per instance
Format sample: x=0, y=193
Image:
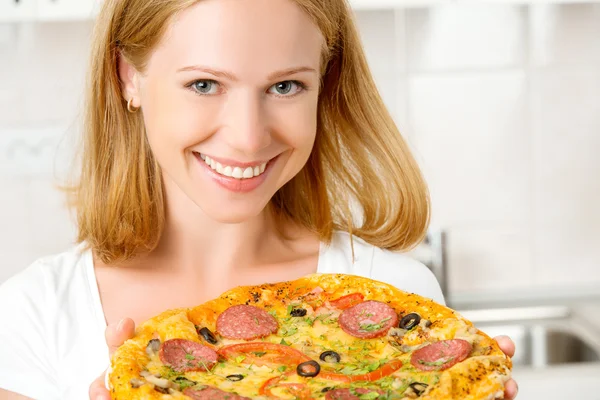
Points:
x=359, y=159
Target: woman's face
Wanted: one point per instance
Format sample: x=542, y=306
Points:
x=229, y=100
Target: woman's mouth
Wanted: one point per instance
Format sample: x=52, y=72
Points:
x=245, y=172
x=236, y=176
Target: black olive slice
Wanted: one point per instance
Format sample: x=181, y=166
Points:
x=207, y=335
x=409, y=321
x=235, y=377
x=418, y=387
x=308, y=368
x=184, y=382
x=298, y=312
x=326, y=389
x=330, y=356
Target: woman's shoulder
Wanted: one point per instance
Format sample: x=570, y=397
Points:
x=353, y=255
x=36, y=305
x=48, y=274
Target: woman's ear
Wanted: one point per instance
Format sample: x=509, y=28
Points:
x=129, y=78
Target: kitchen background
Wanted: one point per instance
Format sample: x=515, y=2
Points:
x=500, y=102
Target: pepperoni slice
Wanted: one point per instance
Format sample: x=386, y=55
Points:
x=367, y=320
x=185, y=355
x=441, y=355
x=208, y=393
x=246, y=322
x=351, y=394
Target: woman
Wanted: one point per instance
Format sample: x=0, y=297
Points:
x=227, y=142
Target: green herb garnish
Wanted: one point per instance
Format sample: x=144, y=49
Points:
x=239, y=359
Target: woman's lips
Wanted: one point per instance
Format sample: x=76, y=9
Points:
x=231, y=183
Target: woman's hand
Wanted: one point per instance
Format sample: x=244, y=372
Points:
x=508, y=347
x=115, y=335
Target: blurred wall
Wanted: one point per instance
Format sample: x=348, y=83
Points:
x=501, y=104
x=42, y=69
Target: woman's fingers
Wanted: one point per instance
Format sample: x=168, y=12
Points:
x=97, y=389
x=510, y=390
x=116, y=335
x=506, y=345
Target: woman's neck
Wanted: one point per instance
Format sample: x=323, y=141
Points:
x=194, y=243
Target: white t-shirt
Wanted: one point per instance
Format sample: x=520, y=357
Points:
x=52, y=323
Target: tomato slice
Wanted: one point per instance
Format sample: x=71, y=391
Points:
x=298, y=390
x=265, y=389
x=382, y=372
x=264, y=353
x=347, y=301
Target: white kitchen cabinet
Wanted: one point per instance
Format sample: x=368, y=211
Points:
x=17, y=10
x=61, y=10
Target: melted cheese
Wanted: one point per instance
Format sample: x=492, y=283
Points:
x=312, y=335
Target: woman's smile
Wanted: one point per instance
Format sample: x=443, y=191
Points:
x=234, y=175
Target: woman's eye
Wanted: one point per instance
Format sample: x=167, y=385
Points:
x=286, y=88
x=205, y=87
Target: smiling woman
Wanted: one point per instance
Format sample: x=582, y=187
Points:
x=226, y=143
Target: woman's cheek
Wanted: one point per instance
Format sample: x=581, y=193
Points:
x=179, y=125
x=298, y=125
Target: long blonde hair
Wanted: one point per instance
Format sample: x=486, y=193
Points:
x=359, y=162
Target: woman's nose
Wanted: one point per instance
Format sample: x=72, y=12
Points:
x=247, y=126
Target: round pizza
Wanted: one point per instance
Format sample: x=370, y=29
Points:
x=324, y=336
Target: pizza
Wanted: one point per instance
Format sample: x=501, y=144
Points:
x=324, y=336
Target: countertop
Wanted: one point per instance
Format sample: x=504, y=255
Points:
x=525, y=297
x=564, y=382
x=583, y=302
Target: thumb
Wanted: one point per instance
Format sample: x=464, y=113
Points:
x=506, y=345
x=117, y=335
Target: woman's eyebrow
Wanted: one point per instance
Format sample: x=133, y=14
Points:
x=230, y=76
x=291, y=71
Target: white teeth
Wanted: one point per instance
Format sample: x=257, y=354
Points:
x=248, y=173
x=235, y=172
